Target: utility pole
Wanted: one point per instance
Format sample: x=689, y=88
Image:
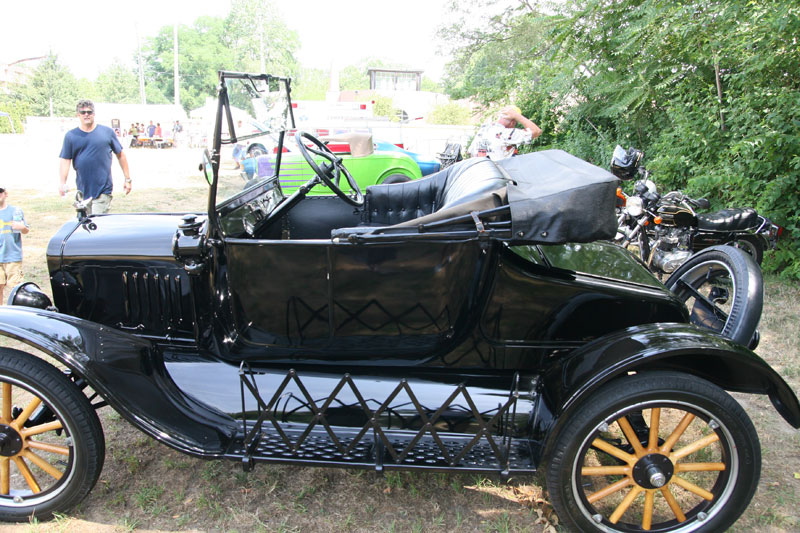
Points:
x=141, y=68
x=177, y=86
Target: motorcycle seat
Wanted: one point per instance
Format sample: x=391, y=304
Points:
x=733, y=219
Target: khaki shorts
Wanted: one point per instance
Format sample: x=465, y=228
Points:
x=11, y=274
x=100, y=205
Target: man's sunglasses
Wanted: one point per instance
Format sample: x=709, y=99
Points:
x=86, y=112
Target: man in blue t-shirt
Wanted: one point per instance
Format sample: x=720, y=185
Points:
x=12, y=227
x=88, y=149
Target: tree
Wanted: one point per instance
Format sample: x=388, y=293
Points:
x=213, y=44
x=17, y=111
x=260, y=39
x=52, y=90
x=203, y=50
x=118, y=85
x=708, y=89
x=450, y=113
x=384, y=107
x=310, y=84
x=355, y=77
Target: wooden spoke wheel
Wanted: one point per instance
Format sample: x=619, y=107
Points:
x=51, y=442
x=655, y=452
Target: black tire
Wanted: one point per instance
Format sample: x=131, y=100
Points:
x=644, y=247
x=723, y=288
x=725, y=465
x=396, y=178
x=255, y=150
x=752, y=244
x=68, y=459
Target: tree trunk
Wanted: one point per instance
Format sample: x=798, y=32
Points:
x=719, y=94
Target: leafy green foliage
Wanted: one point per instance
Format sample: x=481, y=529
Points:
x=310, y=84
x=260, y=39
x=384, y=107
x=117, y=84
x=450, y=113
x=203, y=50
x=251, y=34
x=17, y=111
x=709, y=89
x=52, y=90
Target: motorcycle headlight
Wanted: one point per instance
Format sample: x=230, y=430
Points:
x=634, y=206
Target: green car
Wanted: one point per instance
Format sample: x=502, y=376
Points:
x=367, y=165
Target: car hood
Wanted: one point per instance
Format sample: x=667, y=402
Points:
x=142, y=235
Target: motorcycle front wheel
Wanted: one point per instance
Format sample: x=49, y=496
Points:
x=723, y=289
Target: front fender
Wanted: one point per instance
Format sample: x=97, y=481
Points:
x=129, y=373
x=678, y=347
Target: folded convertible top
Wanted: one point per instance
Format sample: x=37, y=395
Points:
x=559, y=198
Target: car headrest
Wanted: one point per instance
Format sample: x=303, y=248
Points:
x=360, y=143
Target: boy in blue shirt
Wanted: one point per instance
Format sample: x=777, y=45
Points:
x=12, y=227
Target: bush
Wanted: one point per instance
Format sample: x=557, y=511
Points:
x=451, y=113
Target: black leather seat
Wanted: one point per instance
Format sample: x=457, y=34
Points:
x=386, y=205
x=473, y=184
x=733, y=219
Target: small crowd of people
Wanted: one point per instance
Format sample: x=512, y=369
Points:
x=153, y=133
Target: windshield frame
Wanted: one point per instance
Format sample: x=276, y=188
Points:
x=223, y=113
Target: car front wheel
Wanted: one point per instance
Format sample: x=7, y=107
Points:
x=51, y=441
x=657, y=451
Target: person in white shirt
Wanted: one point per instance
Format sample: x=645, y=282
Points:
x=500, y=139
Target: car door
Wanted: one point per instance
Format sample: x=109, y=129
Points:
x=342, y=301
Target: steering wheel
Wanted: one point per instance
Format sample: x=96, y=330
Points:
x=331, y=170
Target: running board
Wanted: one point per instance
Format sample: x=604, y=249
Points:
x=427, y=443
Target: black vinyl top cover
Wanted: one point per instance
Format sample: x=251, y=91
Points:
x=558, y=198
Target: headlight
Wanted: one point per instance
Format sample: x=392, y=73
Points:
x=30, y=295
x=634, y=206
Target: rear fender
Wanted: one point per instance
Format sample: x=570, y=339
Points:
x=676, y=347
x=129, y=373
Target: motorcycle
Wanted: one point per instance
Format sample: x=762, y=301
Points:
x=670, y=236
x=668, y=229
x=450, y=155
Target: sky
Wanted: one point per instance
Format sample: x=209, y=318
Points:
x=90, y=38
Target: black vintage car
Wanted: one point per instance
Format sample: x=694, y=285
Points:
x=472, y=320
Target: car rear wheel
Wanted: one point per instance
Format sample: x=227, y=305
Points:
x=723, y=289
x=51, y=441
x=661, y=451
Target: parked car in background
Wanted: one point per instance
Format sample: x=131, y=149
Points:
x=369, y=166
x=427, y=165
